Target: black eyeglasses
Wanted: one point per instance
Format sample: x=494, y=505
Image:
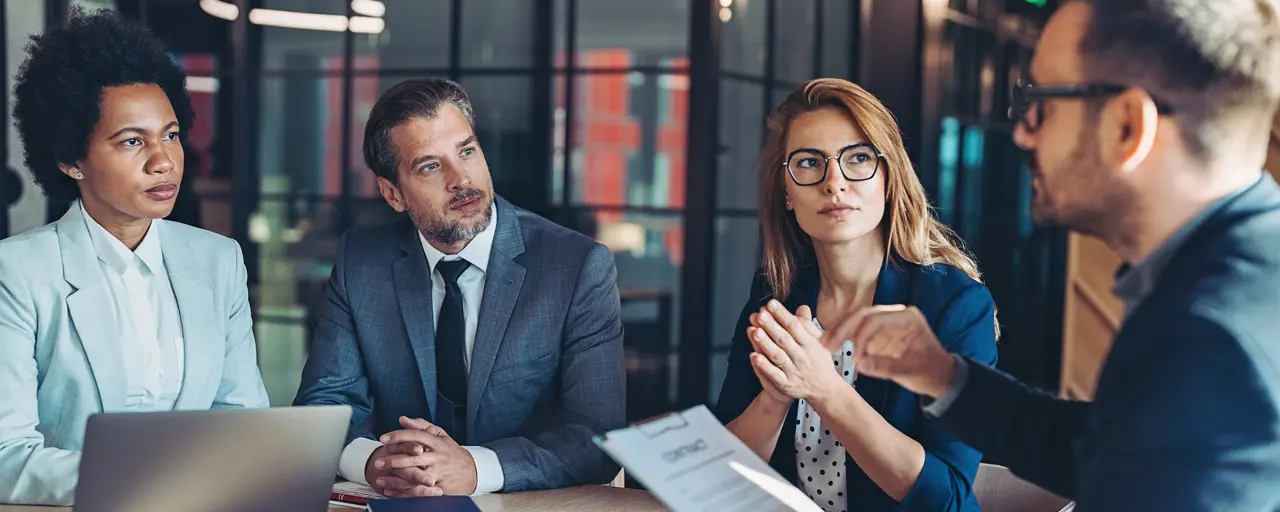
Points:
x=857, y=162
x=1027, y=104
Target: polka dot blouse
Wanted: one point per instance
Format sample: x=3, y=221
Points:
x=820, y=458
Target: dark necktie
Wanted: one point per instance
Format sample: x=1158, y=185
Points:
x=451, y=346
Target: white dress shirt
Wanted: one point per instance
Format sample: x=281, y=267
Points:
x=150, y=326
x=820, y=458
x=489, y=477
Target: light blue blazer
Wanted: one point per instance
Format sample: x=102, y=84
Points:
x=59, y=363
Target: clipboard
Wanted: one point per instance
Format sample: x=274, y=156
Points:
x=692, y=463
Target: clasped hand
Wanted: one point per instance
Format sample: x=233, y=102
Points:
x=420, y=460
x=790, y=359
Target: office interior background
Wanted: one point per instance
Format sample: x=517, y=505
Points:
x=637, y=122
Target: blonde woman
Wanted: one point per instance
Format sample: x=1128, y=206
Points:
x=846, y=225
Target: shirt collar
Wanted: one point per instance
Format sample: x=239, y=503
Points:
x=115, y=254
x=477, y=250
x=1134, y=282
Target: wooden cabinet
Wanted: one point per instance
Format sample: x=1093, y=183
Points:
x=1092, y=313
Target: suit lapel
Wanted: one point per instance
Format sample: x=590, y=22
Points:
x=197, y=311
x=502, y=283
x=891, y=288
x=413, y=293
x=90, y=309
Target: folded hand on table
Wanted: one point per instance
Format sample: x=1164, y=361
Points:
x=421, y=460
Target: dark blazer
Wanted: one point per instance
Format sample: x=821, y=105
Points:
x=1187, y=408
x=961, y=312
x=546, y=369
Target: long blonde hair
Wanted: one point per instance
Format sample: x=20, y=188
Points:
x=912, y=232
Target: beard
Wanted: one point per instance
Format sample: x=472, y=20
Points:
x=436, y=226
x=1044, y=212
x=1094, y=198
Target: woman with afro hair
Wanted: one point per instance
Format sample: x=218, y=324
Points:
x=111, y=308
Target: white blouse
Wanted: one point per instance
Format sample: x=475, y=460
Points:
x=820, y=458
x=150, y=326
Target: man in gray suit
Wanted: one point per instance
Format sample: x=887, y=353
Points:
x=479, y=345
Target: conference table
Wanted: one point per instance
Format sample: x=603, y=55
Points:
x=573, y=499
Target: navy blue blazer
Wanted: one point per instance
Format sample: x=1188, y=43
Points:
x=961, y=312
x=1186, y=415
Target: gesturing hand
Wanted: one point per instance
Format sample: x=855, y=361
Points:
x=790, y=354
x=896, y=343
x=440, y=466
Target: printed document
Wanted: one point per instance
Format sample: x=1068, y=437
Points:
x=691, y=463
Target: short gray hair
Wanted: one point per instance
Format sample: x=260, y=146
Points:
x=413, y=97
x=1215, y=61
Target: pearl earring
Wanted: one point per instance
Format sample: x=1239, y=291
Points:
x=79, y=176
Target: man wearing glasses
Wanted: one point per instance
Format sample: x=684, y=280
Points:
x=1148, y=123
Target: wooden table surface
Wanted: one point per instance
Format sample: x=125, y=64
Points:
x=573, y=499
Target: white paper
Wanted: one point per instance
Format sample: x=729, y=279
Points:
x=691, y=463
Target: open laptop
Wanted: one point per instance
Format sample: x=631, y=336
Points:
x=279, y=459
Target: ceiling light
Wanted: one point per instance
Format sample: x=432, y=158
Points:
x=220, y=9
x=364, y=25
x=372, y=8
x=299, y=20
x=302, y=20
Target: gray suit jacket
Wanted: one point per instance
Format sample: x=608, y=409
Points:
x=59, y=365
x=546, y=369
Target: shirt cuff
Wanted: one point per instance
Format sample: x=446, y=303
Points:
x=489, y=477
x=937, y=408
x=354, y=458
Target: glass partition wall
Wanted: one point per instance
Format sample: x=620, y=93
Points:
x=636, y=122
